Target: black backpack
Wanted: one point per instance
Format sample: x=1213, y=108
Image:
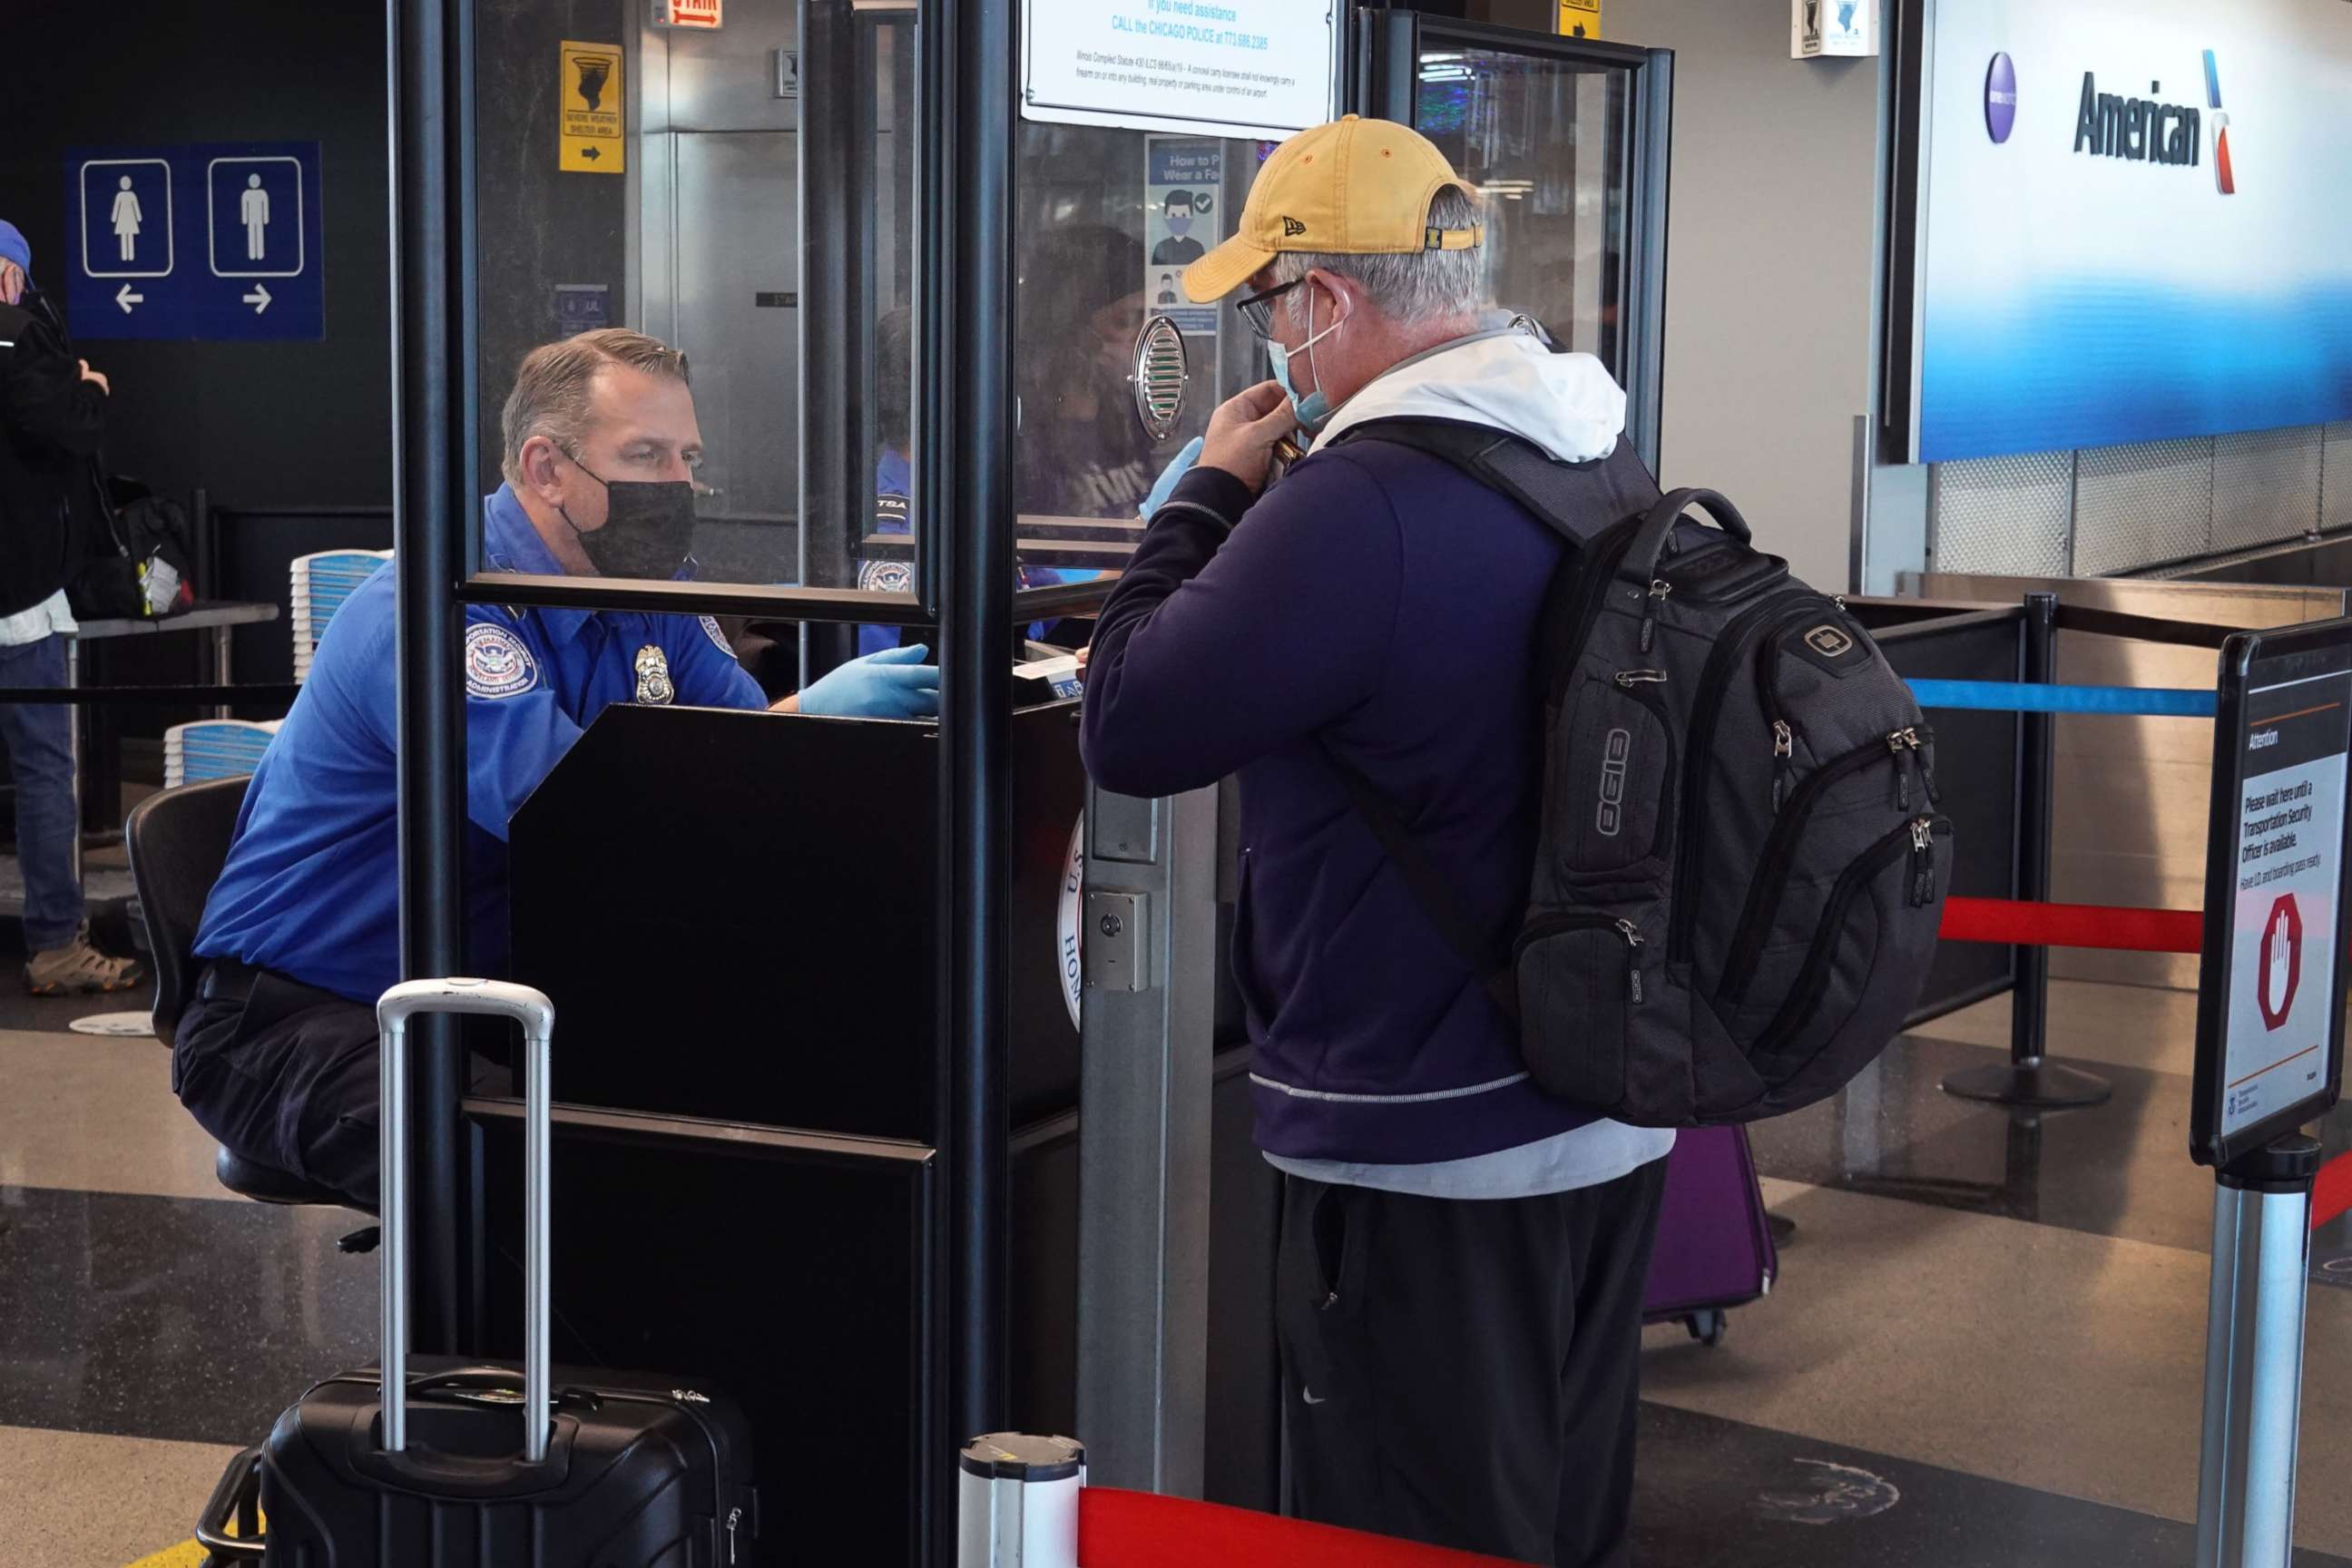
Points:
x=141, y=565
x=1741, y=868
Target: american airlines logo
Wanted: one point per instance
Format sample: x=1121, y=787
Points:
x=2150, y=131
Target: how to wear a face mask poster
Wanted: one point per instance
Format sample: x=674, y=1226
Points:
x=1183, y=223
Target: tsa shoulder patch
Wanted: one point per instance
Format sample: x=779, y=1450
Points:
x=719, y=639
x=496, y=664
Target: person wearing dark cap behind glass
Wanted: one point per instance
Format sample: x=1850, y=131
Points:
x=52, y=413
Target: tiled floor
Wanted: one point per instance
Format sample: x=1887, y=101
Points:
x=1984, y=1351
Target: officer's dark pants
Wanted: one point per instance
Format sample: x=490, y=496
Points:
x=284, y=1074
x=1464, y=1372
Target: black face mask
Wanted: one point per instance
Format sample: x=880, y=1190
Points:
x=648, y=527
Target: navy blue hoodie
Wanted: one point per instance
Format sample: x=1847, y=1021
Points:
x=1378, y=600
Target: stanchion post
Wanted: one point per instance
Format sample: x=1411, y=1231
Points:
x=1017, y=1502
x=2253, y=1356
x=2032, y=1080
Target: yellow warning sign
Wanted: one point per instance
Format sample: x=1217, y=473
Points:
x=1580, y=18
x=592, y=103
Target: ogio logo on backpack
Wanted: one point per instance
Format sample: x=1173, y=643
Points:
x=1614, y=749
x=1828, y=641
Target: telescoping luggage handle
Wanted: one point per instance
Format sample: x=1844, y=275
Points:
x=536, y=1013
x=1641, y=561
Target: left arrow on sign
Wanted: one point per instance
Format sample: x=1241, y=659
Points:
x=258, y=299
x=126, y=299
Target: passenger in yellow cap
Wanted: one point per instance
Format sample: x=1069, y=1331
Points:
x=1463, y=1255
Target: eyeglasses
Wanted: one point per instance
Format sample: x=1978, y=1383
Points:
x=1258, y=308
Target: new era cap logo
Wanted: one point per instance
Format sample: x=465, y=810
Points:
x=1292, y=228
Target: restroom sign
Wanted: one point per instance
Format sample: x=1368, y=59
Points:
x=203, y=241
x=590, y=116
x=2271, y=987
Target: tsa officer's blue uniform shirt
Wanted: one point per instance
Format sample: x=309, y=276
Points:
x=893, y=483
x=312, y=885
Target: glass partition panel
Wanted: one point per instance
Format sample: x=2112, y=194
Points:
x=744, y=197
x=1547, y=141
x=1105, y=222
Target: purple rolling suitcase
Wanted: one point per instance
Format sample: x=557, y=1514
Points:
x=1715, y=1245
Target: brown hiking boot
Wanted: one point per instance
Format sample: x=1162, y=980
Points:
x=78, y=969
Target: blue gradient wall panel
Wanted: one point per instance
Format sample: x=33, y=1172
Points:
x=2172, y=258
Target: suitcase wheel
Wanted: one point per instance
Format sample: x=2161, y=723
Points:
x=1708, y=1326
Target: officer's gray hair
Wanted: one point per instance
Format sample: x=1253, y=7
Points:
x=1414, y=288
x=551, y=395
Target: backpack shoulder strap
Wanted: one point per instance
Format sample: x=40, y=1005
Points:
x=1578, y=501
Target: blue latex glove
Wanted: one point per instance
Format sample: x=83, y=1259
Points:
x=1166, y=486
x=893, y=684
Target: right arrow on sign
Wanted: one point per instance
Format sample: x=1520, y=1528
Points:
x=126, y=299
x=258, y=299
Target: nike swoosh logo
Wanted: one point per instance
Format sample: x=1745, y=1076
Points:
x=1309, y=1394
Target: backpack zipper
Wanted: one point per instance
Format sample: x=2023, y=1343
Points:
x=1552, y=925
x=1764, y=893
x=1904, y=745
x=1659, y=589
x=1923, y=862
x=1733, y=645
x=1767, y=668
x=1915, y=838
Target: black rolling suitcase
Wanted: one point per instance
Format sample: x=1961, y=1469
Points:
x=572, y=1470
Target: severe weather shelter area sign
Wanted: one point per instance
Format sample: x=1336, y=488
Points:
x=220, y=241
x=2271, y=987
x=1249, y=68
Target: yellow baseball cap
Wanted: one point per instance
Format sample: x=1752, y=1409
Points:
x=1353, y=188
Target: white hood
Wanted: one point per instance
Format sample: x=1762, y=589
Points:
x=1566, y=404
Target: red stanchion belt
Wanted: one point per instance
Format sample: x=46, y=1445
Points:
x=2331, y=1196
x=2072, y=925
x=1139, y=1530
x=2134, y=930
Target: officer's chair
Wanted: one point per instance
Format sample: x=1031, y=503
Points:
x=178, y=841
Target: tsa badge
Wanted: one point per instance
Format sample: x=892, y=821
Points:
x=652, y=676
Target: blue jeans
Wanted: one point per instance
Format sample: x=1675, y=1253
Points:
x=40, y=738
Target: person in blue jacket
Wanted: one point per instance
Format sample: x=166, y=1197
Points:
x=1462, y=1256
x=276, y=1056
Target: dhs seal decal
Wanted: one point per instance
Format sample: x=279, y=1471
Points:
x=885, y=577
x=496, y=664
x=654, y=688
x=718, y=638
x=1066, y=917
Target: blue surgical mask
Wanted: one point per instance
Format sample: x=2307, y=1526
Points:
x=1313, y=410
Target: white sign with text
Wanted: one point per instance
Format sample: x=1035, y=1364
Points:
x=1256, y=70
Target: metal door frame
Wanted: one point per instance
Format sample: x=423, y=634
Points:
x=1385, y=84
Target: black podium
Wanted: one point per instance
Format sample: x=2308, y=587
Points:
x=735, y=916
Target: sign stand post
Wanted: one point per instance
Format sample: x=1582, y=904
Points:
x=2270, y=1058
x=2253, y=1356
